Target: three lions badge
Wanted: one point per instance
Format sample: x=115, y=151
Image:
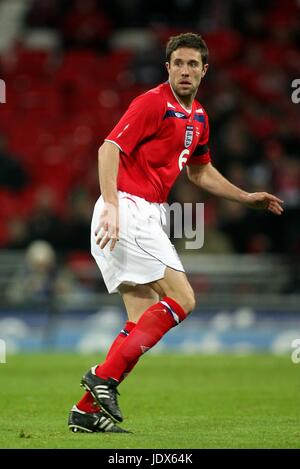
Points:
x=188, y=138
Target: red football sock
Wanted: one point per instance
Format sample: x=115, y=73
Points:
x=150, y=328
x=120, y=337
x=86, y=403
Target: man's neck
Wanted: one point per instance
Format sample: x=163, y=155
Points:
x=186, y=103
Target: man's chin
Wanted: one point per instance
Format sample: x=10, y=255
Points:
x=184, y=92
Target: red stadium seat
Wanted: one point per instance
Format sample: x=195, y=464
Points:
x=224, y=46
x=30, y=62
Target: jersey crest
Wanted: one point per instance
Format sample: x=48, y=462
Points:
x=188, y=138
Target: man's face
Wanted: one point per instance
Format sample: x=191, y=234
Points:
x=186, y=71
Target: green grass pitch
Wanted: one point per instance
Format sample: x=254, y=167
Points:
x=169, y=401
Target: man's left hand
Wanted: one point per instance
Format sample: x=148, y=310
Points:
x=264, y=201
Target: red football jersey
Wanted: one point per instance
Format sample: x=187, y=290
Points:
x=157, y=137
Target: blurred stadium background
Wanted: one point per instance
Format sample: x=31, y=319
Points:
x=71, y=68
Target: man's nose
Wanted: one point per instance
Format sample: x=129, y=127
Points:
x=185, y=70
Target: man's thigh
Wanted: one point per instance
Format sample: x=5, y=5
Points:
x=137, y=299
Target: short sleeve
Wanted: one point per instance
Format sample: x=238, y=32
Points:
x=141, y=120
x=201, y=154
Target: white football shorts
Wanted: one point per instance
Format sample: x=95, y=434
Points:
x=143, y=251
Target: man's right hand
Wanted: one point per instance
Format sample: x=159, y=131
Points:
x=108, y=228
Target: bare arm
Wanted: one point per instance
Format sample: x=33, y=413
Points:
x=108, y=166
x=207, y=177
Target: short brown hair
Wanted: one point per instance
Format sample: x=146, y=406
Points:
x=192, y=40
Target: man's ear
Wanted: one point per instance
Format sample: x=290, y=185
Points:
x=167, y=66
x=205, y=68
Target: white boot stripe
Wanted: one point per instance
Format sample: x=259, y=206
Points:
x=93, y=369
x=104, y=424
x=109, y=427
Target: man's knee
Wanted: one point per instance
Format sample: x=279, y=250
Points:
x=190, y=302
x=176, y=286
x=186, y=300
